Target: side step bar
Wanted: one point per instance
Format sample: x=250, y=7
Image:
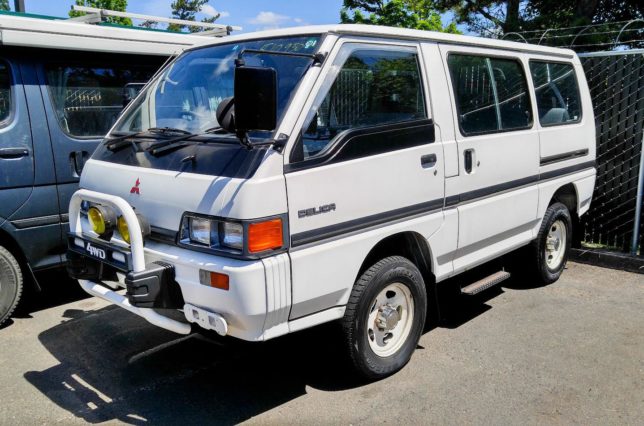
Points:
x=485, y=283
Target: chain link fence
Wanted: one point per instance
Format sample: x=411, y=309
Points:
x=612, y=55
x=616, y=81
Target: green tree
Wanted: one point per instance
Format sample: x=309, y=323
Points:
x=118, y=5
x=4, y=5
x=490, y=17
x=187, y=10
x=417, y=14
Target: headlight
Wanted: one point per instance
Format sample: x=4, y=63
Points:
x=233, y=235
x=240, y=238
x=213, y=233
x=102, y=219
x=203, y=231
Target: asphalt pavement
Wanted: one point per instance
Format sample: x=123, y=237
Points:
x=568, y=353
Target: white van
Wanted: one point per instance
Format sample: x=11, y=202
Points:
x=274, y=181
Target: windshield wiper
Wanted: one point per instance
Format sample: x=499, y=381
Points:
x=164, y=147
x=114, y=144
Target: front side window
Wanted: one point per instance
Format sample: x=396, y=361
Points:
x=491, y=94
x=372, y=88
x=557, y=93
x=88, y=99
x=5, y=92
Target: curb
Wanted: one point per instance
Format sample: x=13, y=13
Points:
x=608, y=259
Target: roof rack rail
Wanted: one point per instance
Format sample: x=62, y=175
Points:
x=96, y=16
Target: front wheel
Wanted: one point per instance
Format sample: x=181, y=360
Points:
x=385, y=317
x=10, y=284
x=552, y=246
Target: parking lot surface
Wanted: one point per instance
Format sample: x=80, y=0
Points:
x=568, y=353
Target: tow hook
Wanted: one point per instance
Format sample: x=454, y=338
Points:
x=205, y=319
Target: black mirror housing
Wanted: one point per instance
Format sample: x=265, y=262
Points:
x=255, y=98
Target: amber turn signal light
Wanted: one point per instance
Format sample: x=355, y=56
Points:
x=214, y=279
x=265, y=235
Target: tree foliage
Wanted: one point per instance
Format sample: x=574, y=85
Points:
x=118, y=5
x=187, y=10
x=418, y=14
x=4, y=5
x=490, y=17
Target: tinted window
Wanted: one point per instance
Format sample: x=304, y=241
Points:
x=557, y=93
x=491, y=94
x=89, y=99
x=5, y=91
x=372, y=88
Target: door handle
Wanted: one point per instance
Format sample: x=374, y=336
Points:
x=9, y=153
x=77, y=160
x=469, y=159
x=428, y=161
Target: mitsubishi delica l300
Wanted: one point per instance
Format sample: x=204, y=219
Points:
x=270, y=182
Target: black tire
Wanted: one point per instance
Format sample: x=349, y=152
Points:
x=390, y=270
x=545, y=274
x=10, y=284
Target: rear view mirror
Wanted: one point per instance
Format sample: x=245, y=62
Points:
x=255, y=98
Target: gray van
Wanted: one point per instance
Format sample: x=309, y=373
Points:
x=62, y=85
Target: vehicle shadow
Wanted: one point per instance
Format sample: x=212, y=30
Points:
x=115, y=366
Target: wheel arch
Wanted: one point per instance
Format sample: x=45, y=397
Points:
x=8, y=242
x=408, y=244
x=568, y=196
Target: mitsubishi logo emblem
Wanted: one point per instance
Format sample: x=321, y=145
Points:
x=135, y=188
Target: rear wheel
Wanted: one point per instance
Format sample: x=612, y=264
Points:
x=385, y=317
x=10, y=284
x=551, y=248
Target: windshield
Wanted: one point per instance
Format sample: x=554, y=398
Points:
x=186, y=94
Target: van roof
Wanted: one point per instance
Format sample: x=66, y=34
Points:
x=399, y=33
x=49, y=32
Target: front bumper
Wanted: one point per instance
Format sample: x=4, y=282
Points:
x=255, y=307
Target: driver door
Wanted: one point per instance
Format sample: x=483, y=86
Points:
x=366, y=157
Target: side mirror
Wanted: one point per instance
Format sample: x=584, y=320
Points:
x=255, y=98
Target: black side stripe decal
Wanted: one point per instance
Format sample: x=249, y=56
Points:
x=567, y=170
x=563, y=157
x=484, y=192
x=362, y=223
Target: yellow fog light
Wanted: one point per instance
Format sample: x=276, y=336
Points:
x=102, y=220
x=123, y=229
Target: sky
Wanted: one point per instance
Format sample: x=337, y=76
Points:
x=251, y=15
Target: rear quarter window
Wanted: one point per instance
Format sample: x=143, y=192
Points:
x=557, y=93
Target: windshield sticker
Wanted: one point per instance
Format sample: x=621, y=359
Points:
x=310, y=43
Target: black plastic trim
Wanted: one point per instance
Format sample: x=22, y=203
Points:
x=32, y=222
x=563, y=157
x=108, y=248
x=407, y=134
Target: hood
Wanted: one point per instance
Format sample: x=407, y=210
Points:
x=163, y=196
